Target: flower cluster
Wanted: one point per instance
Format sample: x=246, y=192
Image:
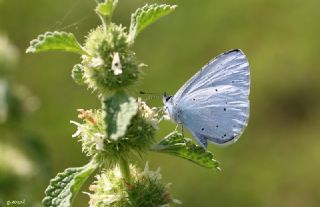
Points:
x=145, y=189
x=139, y=135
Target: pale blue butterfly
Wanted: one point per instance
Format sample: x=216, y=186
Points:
x=214, y=103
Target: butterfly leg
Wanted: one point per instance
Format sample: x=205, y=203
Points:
x=182, y=130
x=176, y=129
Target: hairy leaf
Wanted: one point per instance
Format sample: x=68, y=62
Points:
x=119, y=109
x=106, y=8
x=55, y=41
x=175, y=144
x=64, y=187
x=147, y=15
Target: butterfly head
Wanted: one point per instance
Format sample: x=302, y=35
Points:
x=168, y=105
x=166, y=98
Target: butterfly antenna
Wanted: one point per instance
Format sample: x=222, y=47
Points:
x=154, y=95
x=146, y=93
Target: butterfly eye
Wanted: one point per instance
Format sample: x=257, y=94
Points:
x=168, y=98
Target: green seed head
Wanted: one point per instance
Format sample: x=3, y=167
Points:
x=110, y=65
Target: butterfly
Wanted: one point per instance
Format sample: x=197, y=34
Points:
x=214, y=104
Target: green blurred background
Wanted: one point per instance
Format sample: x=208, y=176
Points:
x=275, y=163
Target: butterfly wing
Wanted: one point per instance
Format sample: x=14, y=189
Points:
x=214, y=103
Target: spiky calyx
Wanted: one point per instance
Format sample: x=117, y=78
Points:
x=110, y=64
x=144, y=190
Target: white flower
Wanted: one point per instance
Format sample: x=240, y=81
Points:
x=79, y=129
x=99, y=138
x=156, y=175
x=148, y=113
x=110, y=199
x=116, y=64
x=96, y=62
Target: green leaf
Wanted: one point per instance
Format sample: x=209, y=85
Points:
x=55, y=41
x=147, y=15
x=64, y=187
x=119, y=109
x=175, y=144
x=105, y=9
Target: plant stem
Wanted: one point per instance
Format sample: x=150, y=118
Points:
x=105, y=22
x=125, y=169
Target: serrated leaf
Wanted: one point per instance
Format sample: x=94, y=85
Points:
x=147, y=15
x=64, y=187
x=120, y=108
x=175, y=144
x=106, y=8
x=55, y=41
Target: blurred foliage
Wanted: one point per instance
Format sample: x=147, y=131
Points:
x=275, y=163
x=23, y=158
